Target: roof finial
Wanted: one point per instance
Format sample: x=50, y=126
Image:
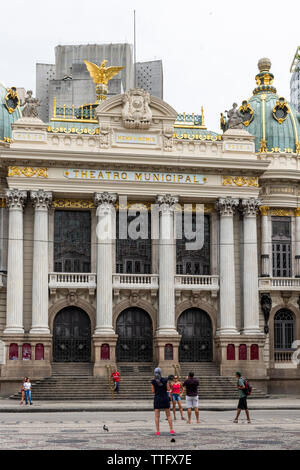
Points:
x=264, y=65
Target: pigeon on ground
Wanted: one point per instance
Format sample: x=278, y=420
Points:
x=105, y=428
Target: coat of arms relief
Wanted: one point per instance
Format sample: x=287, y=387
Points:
x=136, y=113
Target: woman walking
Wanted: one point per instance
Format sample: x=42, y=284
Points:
x=160, y=389
x=22, y=391
x=176, y=396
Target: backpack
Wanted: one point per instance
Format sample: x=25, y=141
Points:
x=248, y=389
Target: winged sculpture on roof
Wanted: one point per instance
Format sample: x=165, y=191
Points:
x=101, y=73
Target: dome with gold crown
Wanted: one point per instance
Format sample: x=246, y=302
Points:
x=269, y=116
x=9, y=111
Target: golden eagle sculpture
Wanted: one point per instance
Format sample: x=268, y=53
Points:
x=101, y=76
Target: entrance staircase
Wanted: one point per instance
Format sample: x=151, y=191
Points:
x=74, y=381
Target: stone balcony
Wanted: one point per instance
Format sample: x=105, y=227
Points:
x=197, y=283
x=72, y=281
x=267, y=284
x=2, y=280
x=135, y=282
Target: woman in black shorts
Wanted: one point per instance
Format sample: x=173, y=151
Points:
x=160, y=389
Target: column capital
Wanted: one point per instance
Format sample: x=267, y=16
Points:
x=249, y=207
x=105, y=199
x=41, y=199
x=15, y=198
x=264, y=210
x=166, y=202
x=227, y=205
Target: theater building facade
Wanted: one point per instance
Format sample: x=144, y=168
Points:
x=74, y=288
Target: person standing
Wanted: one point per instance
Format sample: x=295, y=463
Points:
x=22, y=391
x=242, y=404
x=116, y=376
x=160, y=387
x=191, y=384
x=176, y=388
x=27, y=389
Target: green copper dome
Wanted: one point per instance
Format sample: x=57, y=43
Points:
x=7, y=118
x=269, y=117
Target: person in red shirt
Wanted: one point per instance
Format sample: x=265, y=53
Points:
x=116, y=378
x=176, y=396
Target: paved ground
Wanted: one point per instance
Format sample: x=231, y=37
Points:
x=280, y=402
x=135, y=431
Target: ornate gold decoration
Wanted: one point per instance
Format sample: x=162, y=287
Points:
x=240, y=180
x=101, y=76
x=264, y=210
x=297, y=211
x=12, y=100
x=281, y=212
x=2, y=202
x=185, y=135
x=73, y=203
x=27, y=171
x=72, y=130
x=281, y=105
x=263, y=146
x=245, y=109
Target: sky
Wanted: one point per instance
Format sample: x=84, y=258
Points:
x=209, y=49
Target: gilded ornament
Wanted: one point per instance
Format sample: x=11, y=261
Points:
x=73, y=204
x=240, y=180
x=12, y=100
x=246, y=112
x=281, y=212
x=297, y=211
x=2, y=202
x=281, y=110
x=264, y=210
x=101, y=76
x=27, y=171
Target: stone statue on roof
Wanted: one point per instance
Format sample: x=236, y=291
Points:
x=30, y=106
x=235, y=120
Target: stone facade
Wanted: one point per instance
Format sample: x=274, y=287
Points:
x=240, y=194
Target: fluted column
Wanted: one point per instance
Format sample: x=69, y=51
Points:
x=227, y=324
x=15, y=201
x=250, y=267
x=297, y=242
x=105, y=238
x=265, y=242
x=41, y=201
x=167, y=259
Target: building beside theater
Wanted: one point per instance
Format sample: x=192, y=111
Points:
x=68, y=295
x=68, y=81
x=295, y=80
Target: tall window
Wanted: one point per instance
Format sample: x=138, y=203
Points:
x=134, y=256
x=72, y=241
x=281, y=246
x=193, y=261
x=284, y=329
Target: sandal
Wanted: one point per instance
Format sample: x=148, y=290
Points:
x=236, y=421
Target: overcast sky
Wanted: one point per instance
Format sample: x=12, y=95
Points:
x=209, y=49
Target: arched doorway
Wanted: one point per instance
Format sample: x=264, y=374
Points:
x=284, y=329
x=134, y=327
x=195, y=328
x=72, y=336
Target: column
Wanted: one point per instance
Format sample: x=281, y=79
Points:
x=227, y=325
x=250, y=267
x=41, y=201
x=15, y=200
x=166, y=265
x=105, y=239
x=265, y=242
x=297, y=242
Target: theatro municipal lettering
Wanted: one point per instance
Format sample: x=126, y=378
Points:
x=143, y=176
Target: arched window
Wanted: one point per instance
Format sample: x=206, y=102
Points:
x=230, y=352
x=284, y=329
x=254, y=352
x=26, y=352
x=39, y=352
x=242, y=352
x=105, y=353
x=13, y=351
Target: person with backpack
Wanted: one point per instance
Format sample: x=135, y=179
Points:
x=244, y=389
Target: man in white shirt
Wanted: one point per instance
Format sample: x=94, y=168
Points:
x=27, y=389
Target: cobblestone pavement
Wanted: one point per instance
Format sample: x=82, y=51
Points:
x=135, y=430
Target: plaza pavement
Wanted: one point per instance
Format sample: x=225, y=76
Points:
x=279, y=402
x=127, y=430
